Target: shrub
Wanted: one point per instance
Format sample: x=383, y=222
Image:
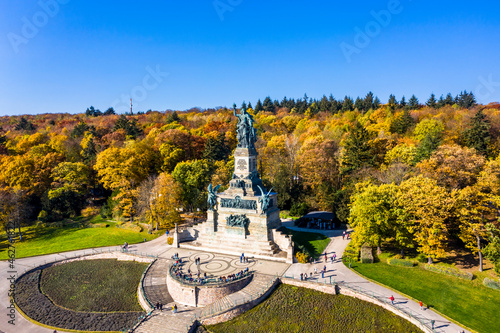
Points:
x=422, y=258
x=401, y=262
x=43, y=216
x=170, y=240
x=299, y=209
x=491, y=283
x=350, y=253
x=106, y=211
x=366, y=254
x=449, y=271
x=302, y=257
x=497, y=266
x=90, y=211
x=397, y=256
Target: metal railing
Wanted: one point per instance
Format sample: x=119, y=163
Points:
x=371, y=294
x=202, y=281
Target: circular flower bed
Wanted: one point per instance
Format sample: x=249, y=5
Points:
x=40, y=308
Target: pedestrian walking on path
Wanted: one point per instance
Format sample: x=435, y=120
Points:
x=343, y=235
x=432, y=323
x=326, y=258
x=174, y=308
x=332, y=259
x=392, y=299
x=421, y=305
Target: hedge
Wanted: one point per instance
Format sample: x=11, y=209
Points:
x=449, y=271
x=401, y=262
x=491, y=283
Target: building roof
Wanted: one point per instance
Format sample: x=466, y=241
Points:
x=320, y=215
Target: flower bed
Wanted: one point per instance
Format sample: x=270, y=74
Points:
x=491, y=283
x=449, y=271
x=38, y=307
x=401, y=262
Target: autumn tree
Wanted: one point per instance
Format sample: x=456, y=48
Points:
x=402, y=123
x=193, y=178
x=473, y=211
x=428, y=209
x=159, y=200
x=453, y=166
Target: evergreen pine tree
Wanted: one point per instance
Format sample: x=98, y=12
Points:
x=449, y=99
x=244, y=105
x=431, y=102
x=413, y=102
x=402, y=123
x=347, y=104
x=393, y=103
x=428, y=145
x=441, y=102
x=403, y=102
x=250, y=105
x=478, y=135
x=359, y=104
x=368, y=102
x=357, y=151
x=258, y=107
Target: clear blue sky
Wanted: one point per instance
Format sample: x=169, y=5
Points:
x=101, y=52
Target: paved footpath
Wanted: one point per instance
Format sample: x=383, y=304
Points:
x=340, y=273
x=159, y=247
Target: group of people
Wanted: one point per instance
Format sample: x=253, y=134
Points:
x=159, y=306
x=243, y=259
x=233, y=277
x=197, y=261
x=346, y=235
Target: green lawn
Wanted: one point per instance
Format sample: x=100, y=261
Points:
x=94, y=285
x=312, y=241
x=38, y=241
x=292, y=309
x=467, y=302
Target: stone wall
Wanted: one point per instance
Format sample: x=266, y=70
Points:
x=331, y=289
x=202, y=295
x=239, y=309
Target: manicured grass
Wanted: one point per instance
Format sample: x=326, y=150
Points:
x=94, y=285
x=293, y=309
x=38, y=241
x=467, y=302
x=314, y=242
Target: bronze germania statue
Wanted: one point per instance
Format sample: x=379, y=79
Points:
x=247, y=135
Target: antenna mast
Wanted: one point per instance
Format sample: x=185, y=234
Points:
x=131, y=106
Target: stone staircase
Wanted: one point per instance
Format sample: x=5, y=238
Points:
x=155, y=283
x=259, y=285
x=166, y=321
x=253, y=246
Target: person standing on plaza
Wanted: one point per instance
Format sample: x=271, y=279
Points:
x=392, y=299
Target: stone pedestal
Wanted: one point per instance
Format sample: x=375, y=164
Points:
x=239, y=223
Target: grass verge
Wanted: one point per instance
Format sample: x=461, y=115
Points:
x=39, y=241
x=468, y=302
x=294, y=309
x=314, y=242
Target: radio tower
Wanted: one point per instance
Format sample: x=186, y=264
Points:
x=131, y=106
